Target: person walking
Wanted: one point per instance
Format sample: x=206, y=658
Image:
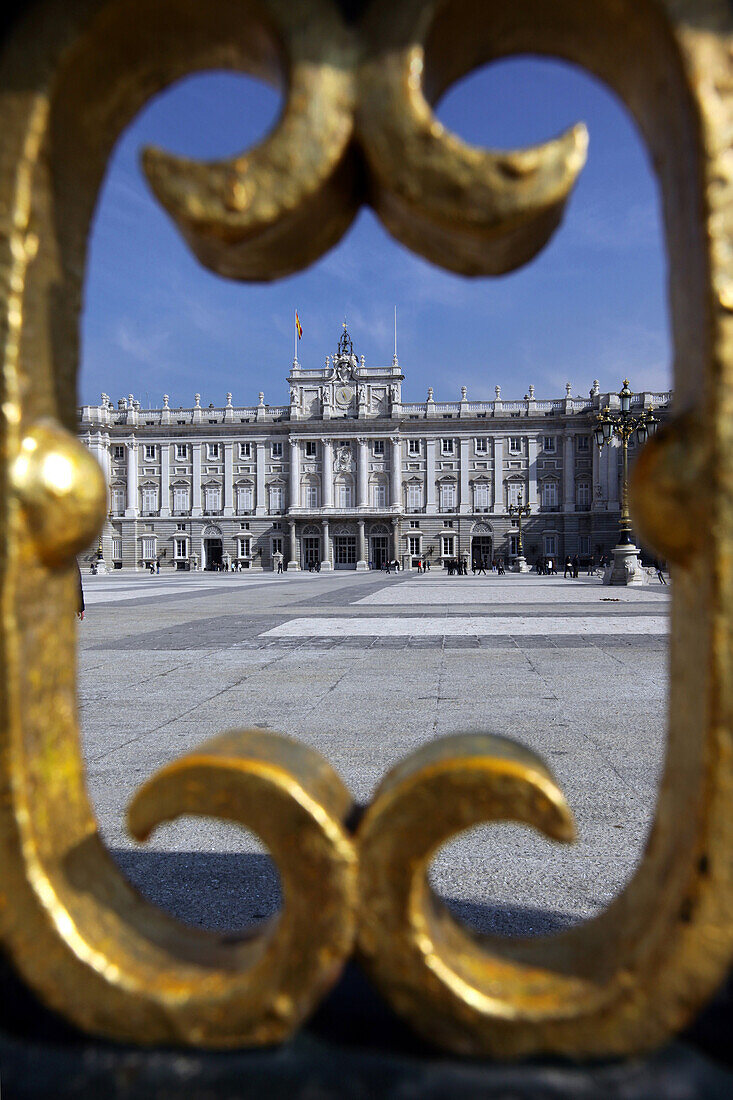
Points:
x=568, y=567
x=660, y=573
x=576, y=566
x=80, y=606
x=481, y=567
x=591, y=565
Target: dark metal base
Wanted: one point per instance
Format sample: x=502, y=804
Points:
x=353, y=1048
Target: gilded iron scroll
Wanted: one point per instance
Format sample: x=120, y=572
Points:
x=357, y=126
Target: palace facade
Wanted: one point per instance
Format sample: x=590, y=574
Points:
x=348, y=476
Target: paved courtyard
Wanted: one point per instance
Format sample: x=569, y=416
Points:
x=366, y=668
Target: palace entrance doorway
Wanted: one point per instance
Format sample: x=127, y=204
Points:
x=213, y=554
x=344, y=551
x=311, y=551
x=380, y=550
x=481, y=551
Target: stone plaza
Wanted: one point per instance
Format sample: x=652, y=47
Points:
x=366, y=668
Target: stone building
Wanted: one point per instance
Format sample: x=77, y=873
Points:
x=347, y=475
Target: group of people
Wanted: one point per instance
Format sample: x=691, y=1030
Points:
x=572, y=566
x=545, y=567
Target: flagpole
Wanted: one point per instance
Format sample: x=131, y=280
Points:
x=295, y=336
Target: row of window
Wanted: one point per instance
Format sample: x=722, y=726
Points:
x=244, y=498
x=244, y=546
x=214, y=451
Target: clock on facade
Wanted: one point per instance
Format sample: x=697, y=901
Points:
x=344, y=395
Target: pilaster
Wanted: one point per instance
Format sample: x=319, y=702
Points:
x=228, y=476
x=430, y=445
x=568, y=474
x=463, y=451
x=196, y=480
x=498, y=506
x=165, y=480
x=532, y=499
x=260, y=502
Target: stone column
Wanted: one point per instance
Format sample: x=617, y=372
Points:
x=294, y=474
x=362, y=564
x=568, y=474
x=396, y=539
x=196, y=481
x=498, y=474
x=293, y=564
x=465, y=504
x=362, y=500
x=326, y=564
x=327, y=475
x=131, y=509
x=260, y=502
x=228, y=479
x=532, y=499
x=165, y=479
x=430, y=445
x=396, y=473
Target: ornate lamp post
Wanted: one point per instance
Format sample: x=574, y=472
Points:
x=623, y=426
x=516, y=511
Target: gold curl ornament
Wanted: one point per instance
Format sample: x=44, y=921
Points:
x=357, y=126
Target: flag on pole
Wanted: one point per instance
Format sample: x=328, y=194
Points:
x=298, y=325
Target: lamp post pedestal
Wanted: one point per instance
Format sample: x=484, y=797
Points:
x=625, y=569
x=519, y=565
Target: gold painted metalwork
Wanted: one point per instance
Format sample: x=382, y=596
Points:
x=62, y=490
x=516, y=511
x=357, y=126
x=290, y=797
x=465, y=991
x=623, y=425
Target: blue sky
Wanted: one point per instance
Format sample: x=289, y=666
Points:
x=592, y=305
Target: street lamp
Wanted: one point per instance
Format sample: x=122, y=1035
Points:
x=516, y=511
x=623, y=426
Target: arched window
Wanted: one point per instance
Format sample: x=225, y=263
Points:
x=344, y=492
x=311, y=492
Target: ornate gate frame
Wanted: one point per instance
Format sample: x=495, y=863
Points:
x=357, y=126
